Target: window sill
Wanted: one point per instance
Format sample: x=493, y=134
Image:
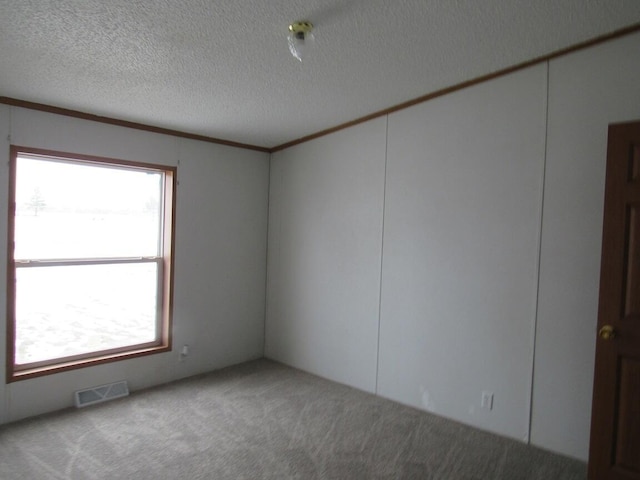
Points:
x=27, y=373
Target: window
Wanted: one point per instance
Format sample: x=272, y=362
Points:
x=90, y=271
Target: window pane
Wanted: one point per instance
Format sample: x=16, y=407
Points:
x=66, y=210
x=72, y=310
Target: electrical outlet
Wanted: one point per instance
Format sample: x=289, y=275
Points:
x=487, y=400
x=183, y=353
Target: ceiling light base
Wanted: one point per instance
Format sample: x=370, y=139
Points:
x=300, y=37
x=301, y=27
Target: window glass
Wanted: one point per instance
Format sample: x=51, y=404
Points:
x=69, y=210
x=65, y=311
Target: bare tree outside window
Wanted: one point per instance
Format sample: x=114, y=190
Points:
x=36, y=202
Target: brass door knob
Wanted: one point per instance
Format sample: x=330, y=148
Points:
x=607, y=333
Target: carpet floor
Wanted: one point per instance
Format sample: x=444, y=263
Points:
x=263, y=420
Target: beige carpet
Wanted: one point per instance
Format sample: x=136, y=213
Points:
x=262, y=420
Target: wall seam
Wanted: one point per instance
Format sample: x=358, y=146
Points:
x=174, y=371
x=384, y=204
x=543, y=181
x=266, y=261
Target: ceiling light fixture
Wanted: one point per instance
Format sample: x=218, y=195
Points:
x=300, y=37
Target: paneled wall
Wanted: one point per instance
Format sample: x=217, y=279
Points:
x=445, y=250
x=487, y=229
x=220, y=268
x=462, y=215
x=325, y=235
x=587, y=91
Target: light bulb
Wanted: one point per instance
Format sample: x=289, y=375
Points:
x=300, y=38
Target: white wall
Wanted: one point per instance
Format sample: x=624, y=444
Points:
x=325, y=235
x=461, y=228
x=462, y=216
x=221, y=257
x=220, y=251
x=587, y=91
x=467, y=178
x=4, y=198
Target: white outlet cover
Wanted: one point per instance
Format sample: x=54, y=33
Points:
x=487, y=400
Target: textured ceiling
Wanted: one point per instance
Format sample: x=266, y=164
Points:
x=221, y=68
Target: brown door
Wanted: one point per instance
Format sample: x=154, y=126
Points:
x=615, y=422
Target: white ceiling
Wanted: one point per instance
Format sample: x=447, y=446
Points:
x=222, y=68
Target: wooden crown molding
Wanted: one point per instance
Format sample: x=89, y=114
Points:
x=424, y=98
x=468, y=83
x=123, y=123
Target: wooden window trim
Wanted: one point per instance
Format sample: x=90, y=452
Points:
x=165, y=262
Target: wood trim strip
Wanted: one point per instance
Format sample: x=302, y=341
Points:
x=164, y=341
x=75, y=158
x=468, y=83
x=87, y=362
x=424, y=98
x=124, y=123
x=11, y=279
x=169, y=251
